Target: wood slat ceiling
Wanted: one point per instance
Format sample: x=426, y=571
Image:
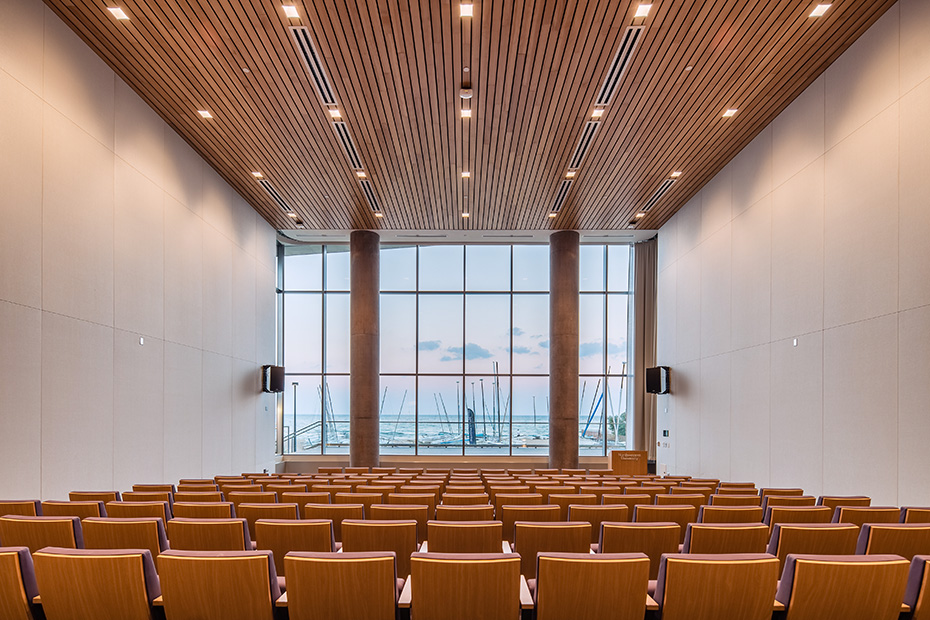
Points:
x=535, y=67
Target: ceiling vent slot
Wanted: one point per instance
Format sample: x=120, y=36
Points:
x=560, y=197
x=342, y=130
x=275, y=195
x=618, y=66
x=666, y=185
x=312, y=62
x=584, y=143
x=370, y=196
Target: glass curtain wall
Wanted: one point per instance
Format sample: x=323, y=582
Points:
x=464, y=349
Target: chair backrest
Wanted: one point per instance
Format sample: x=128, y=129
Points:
x=205, y=510
x=509, y=515
x=904, y=539
x=603, y=586
x=404, y=512
x=80, y=509
x=788, y=500
x=460, y=499
x=197, y=496
x=154, y=488
x=712, y=586
x=17, y=583
x=335, y=513
x=197, y=488
x=365, y=499
x=253, y=512
x=341, y=586
x=565, y=536
x=94, y=496
x=843, y=586
x=444, y=586
x=302, y=499
x=39, y=532
x=564, y=500
x=218, y=585
x=90, y=583
x=137, y=509
x=397, y=536
x=915, y=514
x=251, y=497
x=631, y=501
x=515, y=499
x=726, y=538
x=21, y=507
x=465, y=512
x=833, y=501
x=595, y=515
x=697, y=500
x=281, y=536
x=765, y=492
x=730, y=514
x=113, y=533
x=285, y=487
x=653, y=539
x=682, y=515
x=917, y=592
x=464, y=536
x=736, y=500
x=859, y=515
x=149, y=496
x=209, y=534
x=812, y=538
x=420, y=499
x=796, y=514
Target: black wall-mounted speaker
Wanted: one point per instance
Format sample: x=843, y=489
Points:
x=657, y=380
x=272, y=379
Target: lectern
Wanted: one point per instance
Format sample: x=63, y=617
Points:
x=629, y=462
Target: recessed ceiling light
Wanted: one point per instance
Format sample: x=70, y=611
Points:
x=466, y=214
x=335, y=113
x=553, y=214
x=360, y=174
x=639, y=215
x=643, y=10
x=819, y=10
x=292, y=215
x=258, y=175
x=466, y=174
x=466, y=10
x=676, y=174
x=570, y=174
x=205, y=113
x=688, y=68
x=466, y=113
x=730, y=112
x=291, y=11
x=379, y=215
x=117, y=12
x=597, y=113
x=631, y=226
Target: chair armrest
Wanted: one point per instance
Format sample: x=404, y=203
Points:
x=424, y=547
x=651, y=604
x=282, y=601
x=158, y=602
x=404, y=601
x=505, y=547
x=526, y=599
x=778, y=606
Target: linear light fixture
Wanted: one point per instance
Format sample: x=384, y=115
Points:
x=360, y=174
x=117, y=12
x=291, y=11
x=819, y=10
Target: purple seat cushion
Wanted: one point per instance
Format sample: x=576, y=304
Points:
x=27, y=572
x=914, y=578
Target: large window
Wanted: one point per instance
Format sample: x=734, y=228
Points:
x=464, y=349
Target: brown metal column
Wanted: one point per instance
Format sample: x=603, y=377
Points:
x=563, y=349
x=364, y=380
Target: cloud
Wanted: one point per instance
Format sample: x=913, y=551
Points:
x=523, y=350
x=428, y=345
x=544, y=344
x=472, y=352
x=516, y=331
x=587, y=349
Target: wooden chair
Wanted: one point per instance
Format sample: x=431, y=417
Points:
x=329, y=586
x=682, y=515
x=858, y=515
x=138, y=509
x=833, y=501
x=788, y=500
x=741, y=491
x=837, y=587
x=113, y=533
x=364, y=499
x=404, y=512
x=531, y=538
x=207, y=487
x=209, y=534
x=154, y=488
x=653, y=539
x=728, y=538
x=94, y=496
x=691, y=490
x=253, y=512
x=730, y=514
x=737, y=485
x=398, y=536
x=150, y=496
x=85, y=583
x=205, y=510
x=281, y=536
x=335, y=513
x=302, y=499
x=218, y=585
x=680, y=499
x=542, y=513
x=420, y=499
x=79, y=509
x=916, y=594
x=765, y=492
x=251, y=497
x=198, y=496
x=17, y=584
x=736, y=500
x=711, y=587
x=21, y=507
x=631, y=501
x=915, y=514
x=564, y=500
x=465, y=512
x=280, y=488
x=515, y=499
x=39, y=532
x=444, y=586
x=591, y=587
x=597, y=514
x=465, y=499
x=464, y=537
x=796, y=514
x=904, y=539
x=812, y=538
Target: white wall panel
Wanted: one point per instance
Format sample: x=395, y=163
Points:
x=913, y=396
x=717, y=203
x=715, y=416
x=689, y=226
x=217, y=414
x=243, y=306
x=751, y=290
x=687, y=440
x=666, y=306
x=246, y=388
x=752, y=172
x=184, y=287
x=915, y=53
x=183, y=173
x=217, y=292
x=183, y=413
x=914, y=195
x=798, y=134
x=750, y=402
x=716, y=280
x=22, y=41
x=139, y=137
x=688, y=308
x=668, y=244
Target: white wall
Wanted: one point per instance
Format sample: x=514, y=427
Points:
x=819, y=231
x=112, y=229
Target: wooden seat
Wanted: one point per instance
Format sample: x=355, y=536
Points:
x=206, y=487
x=595, y=515
x=531, y=538
x=335, y=513
x=765, y=492
x=38, y=532
x=564, y=500
x=115, y=533
x=365, y=499
x=915, y=514
x=682, y=515
x=583, y=586
x=466, y=499
x=539, y=513
x=139, y=509
x=198, y=496
x=837, y=587
x=251, y=497
x=94, y=496
x=917, y=594
x=150, y=496
x=209, y=534
x=85, y=583
x=812, y=538
x=218, y=585
x=730, y=514
x=465, y=512
x=653, y=539
x=788, y=500
x=679, y=499
x=858, y=515
x=711, y=587
x=689, y=490
x=80, y=509
x=796, y=514
x=631, y=501
x=443, y=586
x=398, y=536
x=17, y=584
x=515, y=499
x=726, y=538
x=736, y=500
x=904, y=539
x=253, y=512
x=205, y=510
x=21, y=507
x=341, y=586
x=280, y=488
x=464, y=536
x=741, y=491
x=281, y=536
x=154, y=488
x=833, y=501
x=403, y=512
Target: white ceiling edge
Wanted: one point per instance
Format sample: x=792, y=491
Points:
x=464, y=236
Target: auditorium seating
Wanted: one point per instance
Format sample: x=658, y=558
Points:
x=17, y=584
x=730, y=514
x=653, y=539
x=597, y=514
x=138, y=509
x=796, y=514
x=80, y=509
x=209, y=534
x=38, y=532
x=473, y=512
x=917, y=594
x=844, y=500
x=914, y=514
x=115, y=533
x=725, y=538
x=24, y=507
x=205, y=510
x=336, y=513
x=509, y=515
x=405, y=512
x=94, y=496
x=198, y=496
x=904, y=539
x=682, y=515
x=253, y=512
x=788, y=500
x=281, y=536
x=531, y=538
x=812, y=538
x=858, y=515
